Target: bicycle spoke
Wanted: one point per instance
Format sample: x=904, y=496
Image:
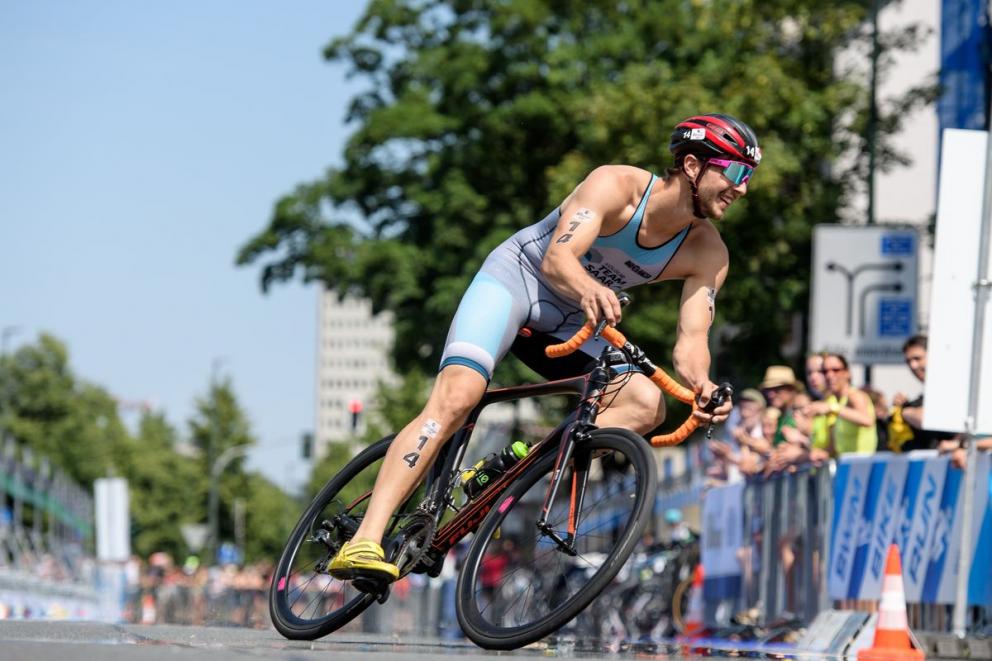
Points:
x=315, y=600
x=515, y=598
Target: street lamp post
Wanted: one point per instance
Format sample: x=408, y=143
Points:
x=216, y=469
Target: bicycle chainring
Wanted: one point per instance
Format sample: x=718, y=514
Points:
x=412, y=541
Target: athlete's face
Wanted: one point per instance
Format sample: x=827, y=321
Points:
x=716, y=191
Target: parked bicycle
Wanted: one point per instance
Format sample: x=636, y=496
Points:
x=562, y=520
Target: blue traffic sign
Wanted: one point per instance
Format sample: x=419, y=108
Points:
x=895, y=317
x=898, y=245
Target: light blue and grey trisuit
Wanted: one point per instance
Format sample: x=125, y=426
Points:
x=509, y=292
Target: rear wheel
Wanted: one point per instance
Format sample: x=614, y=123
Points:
x=518, y=584
x=304, y=600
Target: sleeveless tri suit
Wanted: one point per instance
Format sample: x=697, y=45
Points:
x=509, y=293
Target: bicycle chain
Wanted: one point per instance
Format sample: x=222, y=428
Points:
x=414, y=540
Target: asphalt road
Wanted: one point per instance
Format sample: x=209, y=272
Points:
x=84, y=641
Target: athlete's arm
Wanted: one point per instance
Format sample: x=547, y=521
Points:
x=600, y=196
x=691, y=356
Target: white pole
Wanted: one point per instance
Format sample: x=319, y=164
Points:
x=981, y=286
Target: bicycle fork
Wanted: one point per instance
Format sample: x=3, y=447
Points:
x=581, y=461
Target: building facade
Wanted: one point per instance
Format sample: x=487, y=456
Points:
x=352, y=357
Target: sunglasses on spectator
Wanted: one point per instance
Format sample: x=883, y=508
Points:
x=737, y=172
x=832, y=370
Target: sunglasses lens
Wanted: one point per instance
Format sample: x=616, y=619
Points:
x=738, y=173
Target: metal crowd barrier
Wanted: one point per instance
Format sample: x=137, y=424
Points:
x=41, y=509
x=46, y=526
x=794, y=544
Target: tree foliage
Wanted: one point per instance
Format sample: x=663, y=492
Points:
x=393, y=407
x=46, y=407
x=479, y=117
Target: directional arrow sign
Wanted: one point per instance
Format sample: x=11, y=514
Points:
x=864, y=298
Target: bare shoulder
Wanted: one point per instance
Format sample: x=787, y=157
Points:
x=611, y=188
x=703, y=254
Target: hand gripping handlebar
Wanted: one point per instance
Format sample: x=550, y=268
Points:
x=653, y=372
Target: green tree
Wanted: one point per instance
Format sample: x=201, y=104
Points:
x=219, y=424
x=167, y=489
x=73, y=423
x=480, y=116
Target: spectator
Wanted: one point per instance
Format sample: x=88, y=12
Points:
x=771, y=420
x=905, y=427
x=959, y=453
x=678, y=530
x=881, y=415
x=780, y=388
x=848, y=414
x=816, y=384
x=744, y=420
x=764, y=441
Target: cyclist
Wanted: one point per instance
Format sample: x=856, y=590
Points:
x=622, y=226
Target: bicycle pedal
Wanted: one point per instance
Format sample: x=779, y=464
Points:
x=377, y=587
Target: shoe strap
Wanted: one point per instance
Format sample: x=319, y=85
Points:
x=364, y=546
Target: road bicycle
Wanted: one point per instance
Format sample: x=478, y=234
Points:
x=558, y=524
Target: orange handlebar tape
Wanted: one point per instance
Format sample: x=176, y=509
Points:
x=571, y=345
x=672, y=387
x=614, y=337
x=678, y=435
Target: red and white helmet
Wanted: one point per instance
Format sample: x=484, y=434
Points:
x=715, y=136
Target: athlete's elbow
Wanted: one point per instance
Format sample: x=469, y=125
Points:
x=551, y=266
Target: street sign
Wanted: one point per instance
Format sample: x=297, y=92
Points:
x=864, y=296
x=195, y=535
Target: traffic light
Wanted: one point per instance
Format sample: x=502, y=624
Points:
x=306, y=445
x=355, y=408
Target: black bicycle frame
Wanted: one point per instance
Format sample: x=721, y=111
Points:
x=574, y=428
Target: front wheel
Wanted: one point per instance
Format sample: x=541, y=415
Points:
x=519, y=585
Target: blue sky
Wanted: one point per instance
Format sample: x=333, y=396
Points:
x=140, y=145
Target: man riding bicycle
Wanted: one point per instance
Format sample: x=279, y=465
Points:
x=621, y=227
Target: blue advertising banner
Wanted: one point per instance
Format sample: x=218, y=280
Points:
x=722, y=538
x=964, y=65
x=980, y=579
x=883, y=516
x=850, y=492
x=919, y=524
x=913, y=501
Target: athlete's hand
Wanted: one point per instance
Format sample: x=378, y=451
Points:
x=599, y=303
x=719, y=414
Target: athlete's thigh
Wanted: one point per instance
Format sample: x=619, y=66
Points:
x=488, y=318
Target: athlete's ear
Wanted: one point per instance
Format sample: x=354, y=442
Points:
x=692, y=164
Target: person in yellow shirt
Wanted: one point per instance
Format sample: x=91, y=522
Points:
x=845, y=418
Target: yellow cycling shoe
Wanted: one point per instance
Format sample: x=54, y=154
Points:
x=364, y=560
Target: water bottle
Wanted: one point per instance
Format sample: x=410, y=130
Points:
x=486, y=471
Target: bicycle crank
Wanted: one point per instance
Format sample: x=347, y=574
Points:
x=408, y=546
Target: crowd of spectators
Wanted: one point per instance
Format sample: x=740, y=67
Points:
x=785, y=423
x=160, y=590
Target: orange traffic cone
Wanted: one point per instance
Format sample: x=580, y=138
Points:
x=892, y=631
x=694, y=618
x=148, y=611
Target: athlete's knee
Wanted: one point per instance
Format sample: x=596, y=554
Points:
x=456, y=392
x=644, y=406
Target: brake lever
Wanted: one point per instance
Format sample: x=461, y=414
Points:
x=723, y=393
x=624, y=299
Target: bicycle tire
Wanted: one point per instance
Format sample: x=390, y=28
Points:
x=506, y=627
x=287, y=616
